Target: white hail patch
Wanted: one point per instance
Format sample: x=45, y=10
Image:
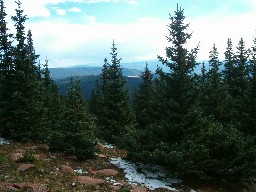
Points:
x=150, y=176
x=4, y=141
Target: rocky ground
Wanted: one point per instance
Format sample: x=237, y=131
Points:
x=30, y=167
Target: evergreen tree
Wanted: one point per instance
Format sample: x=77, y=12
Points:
x=241, y=86
x=177, y=90
x=5, y=43
x=22, y=107
x=6, y=72
x=95, y=102
x=173, y=98
x=143, y=100
x=114, y=114
x=76, y=127
x=249, y=115
x=53, y=104
x=203, y=71
x=230, y=68
x=241, y=76
x=215, y=98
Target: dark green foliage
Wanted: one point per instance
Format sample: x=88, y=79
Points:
x=176, y=86
x=230, y=68
x=216, y=151
x=114, y=113
x=248, y=120
x=143, y=100
x=20, y=103
x=83, y=145
x=89, y=85
x=198, y=120
x=76, y=126
x=214, y=98
x=241, y=68
x=53, y=106
x=6, y=67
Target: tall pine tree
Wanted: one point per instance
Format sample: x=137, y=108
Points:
x=144, y=100
x=114, y=114
x=6, y=72
x=21, y=104
x=177, y=90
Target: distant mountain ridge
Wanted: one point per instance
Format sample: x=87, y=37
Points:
x=88, y=84
x=129, y=69
x=62, y=73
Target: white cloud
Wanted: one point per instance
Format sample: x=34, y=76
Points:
x=148, y=19
x=61, y=11
x=90, y=20
x=37, y=8
x=210, y=30
x=99, y=1
x=71, y=44
x=251, y=3
x=90, y=42
x=75, y=10
x=132, y=2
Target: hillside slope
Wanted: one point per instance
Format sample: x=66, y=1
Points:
x=88, y=83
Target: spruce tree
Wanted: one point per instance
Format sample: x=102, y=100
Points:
x=241, y=76
x=177, y=90
x=143, y=100
x=249, y=115
x=22, y=107
x=53, y=104
x=75, y=133
x=95, y=102
x=6, y=72
x=114, y=113
x=215, y=100
x=229, y=71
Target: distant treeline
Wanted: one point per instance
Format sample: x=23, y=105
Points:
x=88, y=84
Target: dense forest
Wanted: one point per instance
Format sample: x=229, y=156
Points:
x=196, y=125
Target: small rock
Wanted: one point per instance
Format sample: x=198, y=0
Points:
x=67, y=169
x=71, y=157
x=107, y=172
x=19, y=151
x=140, y=189
x=116, y=188
x=31, y=148
x=25, y=166
x=31, y=187
x=123, y=182
x=89, y=181
x=16, y=156
x=101, y=155
x=100, y=146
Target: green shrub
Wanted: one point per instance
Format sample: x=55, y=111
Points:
x=56, y=142
x=82, y=145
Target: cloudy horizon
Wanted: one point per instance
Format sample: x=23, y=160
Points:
x=76, y=32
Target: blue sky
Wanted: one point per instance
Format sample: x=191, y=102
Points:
x=74, y=32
